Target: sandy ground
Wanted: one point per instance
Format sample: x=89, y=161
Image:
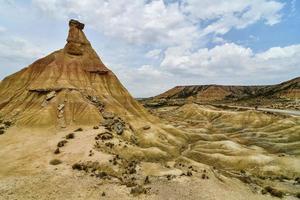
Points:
x=25, y=172
x=57, y=184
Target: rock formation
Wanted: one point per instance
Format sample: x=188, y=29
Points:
x=70, y=86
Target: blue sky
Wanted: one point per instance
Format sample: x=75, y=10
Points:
x=155, y=45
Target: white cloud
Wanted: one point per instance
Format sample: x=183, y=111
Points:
x=206, y=62
x=293, y=7
x=157, y=23
x=16, y=53
x=218, y=40
x=2, y=29
x=154, y=53
x=144, y=81
x=227, y=14
x=136, y=22
x=15, y=48
x=231, y=59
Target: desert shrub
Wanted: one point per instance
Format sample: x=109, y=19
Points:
x=274, y=192
x=147, y=180
x=57, y=151
x=70, y=136
x=61, y=143
x=55, y=162
x=138, y=190
x=8, y=123
x=77, y=166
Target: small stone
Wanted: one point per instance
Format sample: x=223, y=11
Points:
x=79, y=129
x=96, y=127
x=133, y=139
x=118, y=128
x=103, y=194
x=50, y=95
x=60, y=107
x=108, y=115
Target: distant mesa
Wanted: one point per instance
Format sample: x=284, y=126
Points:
x=284, y=95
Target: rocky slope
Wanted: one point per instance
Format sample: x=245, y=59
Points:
x=69, y=87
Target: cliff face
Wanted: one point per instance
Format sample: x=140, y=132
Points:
x=68, y=87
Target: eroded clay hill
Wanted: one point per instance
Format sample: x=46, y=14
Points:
x=70, y=86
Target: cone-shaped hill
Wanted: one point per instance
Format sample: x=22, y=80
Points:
x=70, y=86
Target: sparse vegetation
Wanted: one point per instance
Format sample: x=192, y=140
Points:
x=274, y=192
x=70, y=136
x=55, y=162
x=78, y=130
x=104, y=136
x=57, y=151
x=138, y=190
x=147, y=180
x=62, y=143
x=77, y=166
x=7, y=123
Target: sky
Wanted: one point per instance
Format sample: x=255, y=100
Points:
x=155, y=45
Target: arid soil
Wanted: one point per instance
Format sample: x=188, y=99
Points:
x=228, y=155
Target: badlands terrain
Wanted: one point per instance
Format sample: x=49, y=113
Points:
x=285, y=95
x=70, y=130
